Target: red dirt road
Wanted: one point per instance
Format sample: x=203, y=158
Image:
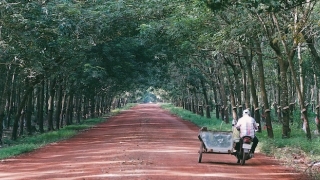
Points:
x=145, y=143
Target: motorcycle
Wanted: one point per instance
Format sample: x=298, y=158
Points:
x=244, y=153
x=242, y=145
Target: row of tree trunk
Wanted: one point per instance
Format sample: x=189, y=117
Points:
x=231, y=97
x=48, y=105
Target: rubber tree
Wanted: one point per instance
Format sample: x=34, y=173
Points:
x=256, y=108
x=264, y=96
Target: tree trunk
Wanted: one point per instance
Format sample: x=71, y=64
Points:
x=40, y=120
x=92, y=105
x=317, y=119
x=284, y=98
x=22, y=119
x=215, y=96
x=238, y=91
x=283, y=67
x=11, y=106
x=245, y=90
x=29, y=114
x=278, y=100
x=300, y=90
x=206, y=100
x=70, y=109
x=224, y=108
x=252, y=88
x=78, y=108
x=232, y=100
x=51, y=104
x=98, y=105
x=63, y=110
x=85, y=107
x=46, y=109
x=68, y=122
x=193, y=104
x=59, y=105
x=38, y=107
x=263, y=90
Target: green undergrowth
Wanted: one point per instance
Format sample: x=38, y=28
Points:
x=212, y=123
x=29, y=143
x=295, y=151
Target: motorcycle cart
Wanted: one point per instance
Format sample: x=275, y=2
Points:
x=216, y=142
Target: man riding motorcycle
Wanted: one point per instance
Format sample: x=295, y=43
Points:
x=247, y=127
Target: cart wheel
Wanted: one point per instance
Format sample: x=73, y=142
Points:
x=243, y=161
x=200, y=152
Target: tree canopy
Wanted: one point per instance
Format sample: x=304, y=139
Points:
x=226, y=55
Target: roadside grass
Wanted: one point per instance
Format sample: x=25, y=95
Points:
x=29, y=143
x=295, y=151
x=212, y=124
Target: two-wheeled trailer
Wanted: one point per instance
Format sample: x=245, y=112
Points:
x=219, y=142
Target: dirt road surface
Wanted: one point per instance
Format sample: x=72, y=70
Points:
x=143, y=143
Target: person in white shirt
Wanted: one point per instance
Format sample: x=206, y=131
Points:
x=247, y=127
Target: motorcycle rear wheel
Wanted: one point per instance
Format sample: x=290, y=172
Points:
x=243, y=160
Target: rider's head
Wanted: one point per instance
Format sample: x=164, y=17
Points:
x=246, y=112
